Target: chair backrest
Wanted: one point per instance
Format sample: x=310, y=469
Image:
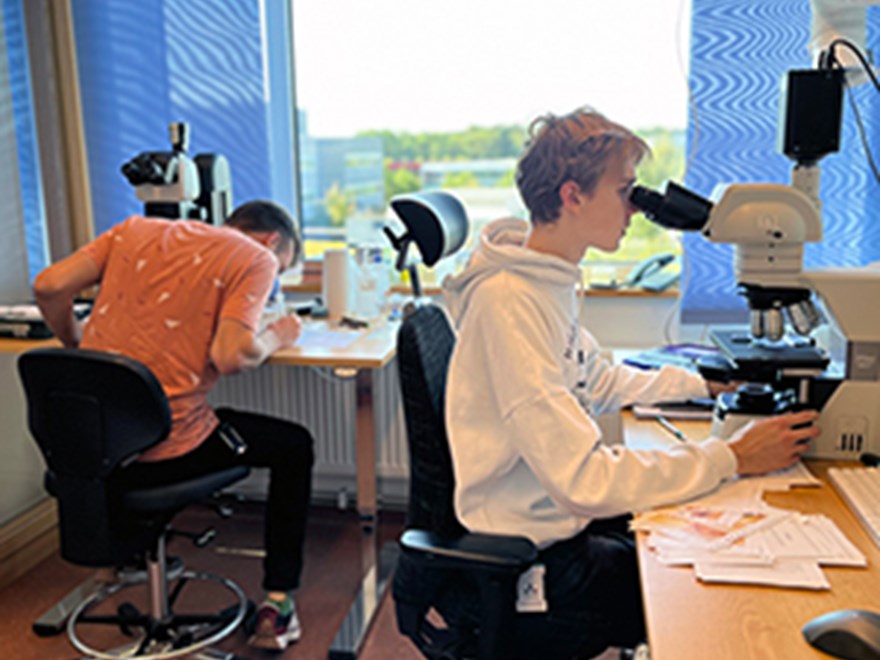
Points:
x=90, y=413
x=424, y=346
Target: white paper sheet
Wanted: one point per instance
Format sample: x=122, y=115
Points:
x=784, y=573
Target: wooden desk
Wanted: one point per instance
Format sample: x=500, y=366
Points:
x=14, y=346
x=373, y=350
x=690, y=620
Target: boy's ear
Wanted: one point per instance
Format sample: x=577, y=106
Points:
x=270, y=239
x=274, y=240
x=570, y=193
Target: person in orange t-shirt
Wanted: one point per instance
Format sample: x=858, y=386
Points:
x=185, y=298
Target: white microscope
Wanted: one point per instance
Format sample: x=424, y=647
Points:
x=831, y=362
x=173, y=185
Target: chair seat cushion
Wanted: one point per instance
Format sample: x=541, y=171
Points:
x=179, y=495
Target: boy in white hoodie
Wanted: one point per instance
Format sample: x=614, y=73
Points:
x=526, y=379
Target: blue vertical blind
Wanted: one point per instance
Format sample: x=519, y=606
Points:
x=740, y=50
x=143, y=65
x=23, y=199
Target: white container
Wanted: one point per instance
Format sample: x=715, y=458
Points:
x=383, y=281
x=367, y=307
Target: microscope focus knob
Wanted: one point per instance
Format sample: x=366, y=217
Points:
x=755, y=397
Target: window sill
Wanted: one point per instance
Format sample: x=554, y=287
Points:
x=310, y=282
x=672, y=292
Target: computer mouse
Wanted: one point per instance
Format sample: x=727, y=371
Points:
x=850, y=634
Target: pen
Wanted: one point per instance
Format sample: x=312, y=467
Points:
x=669, y=426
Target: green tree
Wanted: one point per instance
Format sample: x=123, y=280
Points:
x=461, y=180
x=508, y=180
x=665, y=162
x=400, y=180
x=339, y=204
x=472, y=143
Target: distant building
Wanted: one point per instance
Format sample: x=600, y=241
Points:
x=353, y=164
x=488, y=172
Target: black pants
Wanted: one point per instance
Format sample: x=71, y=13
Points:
x=283, y=447
x=592, y=586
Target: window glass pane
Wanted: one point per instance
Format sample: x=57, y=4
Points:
x=22, y=220
x=395, y=96
x=734, y=135
x=222, y=67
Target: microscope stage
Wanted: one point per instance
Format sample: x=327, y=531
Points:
x=748, y=353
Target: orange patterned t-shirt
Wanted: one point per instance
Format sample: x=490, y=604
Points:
x=164, y=287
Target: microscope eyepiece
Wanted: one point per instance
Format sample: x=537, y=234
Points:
x=156, y=168
x=677, y=208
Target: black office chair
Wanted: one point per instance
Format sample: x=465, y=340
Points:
x=92, y=414
x=469, y=578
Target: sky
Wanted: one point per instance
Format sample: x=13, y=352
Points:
x=445, y=65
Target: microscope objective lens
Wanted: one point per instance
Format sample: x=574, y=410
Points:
x=757, y=318
x=773, y=324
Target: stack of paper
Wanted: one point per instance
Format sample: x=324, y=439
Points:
x=749, y=545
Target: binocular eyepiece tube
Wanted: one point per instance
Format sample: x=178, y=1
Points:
x=676, y=208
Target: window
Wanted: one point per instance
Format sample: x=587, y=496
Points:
x=21, y=207
x=737, y=62
x=383, y=105
x=396, y=96
x=222, y=67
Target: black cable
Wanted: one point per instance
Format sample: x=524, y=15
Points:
x=831, y=60
x=827, y=60
x=862, y=133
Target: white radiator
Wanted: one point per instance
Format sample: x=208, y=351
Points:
x=325, y=404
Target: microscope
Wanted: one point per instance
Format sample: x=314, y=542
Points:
x=831, y=360
x=173, y=185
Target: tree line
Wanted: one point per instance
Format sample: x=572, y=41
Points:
x=476, y=142
x=486, y=142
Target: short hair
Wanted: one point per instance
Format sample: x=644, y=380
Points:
x=263, y=215
x=574, y=147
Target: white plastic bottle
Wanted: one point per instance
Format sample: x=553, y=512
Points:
x=366, y=288
x=383, y=280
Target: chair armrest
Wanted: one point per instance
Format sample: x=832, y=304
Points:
x=491, y=553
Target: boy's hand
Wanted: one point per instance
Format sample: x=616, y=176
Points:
x=773, y=443
x=286, y=329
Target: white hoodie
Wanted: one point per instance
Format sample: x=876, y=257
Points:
x=523, y=382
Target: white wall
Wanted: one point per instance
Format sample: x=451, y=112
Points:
x=21, y=465
x=636, y=322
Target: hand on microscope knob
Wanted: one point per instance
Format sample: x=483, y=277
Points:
x=773, y=443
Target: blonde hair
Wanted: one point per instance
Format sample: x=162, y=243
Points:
x=574, y=147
